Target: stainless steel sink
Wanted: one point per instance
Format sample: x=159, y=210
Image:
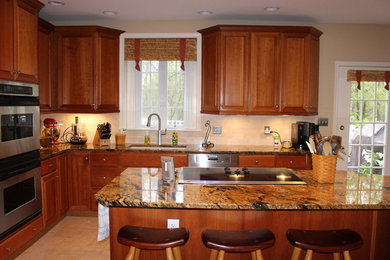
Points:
x=156, y=147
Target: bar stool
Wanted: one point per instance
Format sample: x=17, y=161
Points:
x=138, y=238
x=324, y=241
x=235, y=241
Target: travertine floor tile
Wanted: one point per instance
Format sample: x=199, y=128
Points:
x=74, y=238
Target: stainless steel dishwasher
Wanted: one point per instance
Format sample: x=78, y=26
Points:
x=213, y=160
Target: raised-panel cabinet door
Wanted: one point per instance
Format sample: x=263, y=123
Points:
x=210, y=86
x=293, y=73
x=62, y=191
x=234, y=72
x=49, y=184
x=45, y=65
x=313, y=54
x=26, y=42
x=265, y=60
x=78, y=180
x=76, y=90
x=108, y=73
x=6, y=40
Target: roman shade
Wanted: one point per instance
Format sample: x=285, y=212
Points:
x=161, y=49
x=370, y=76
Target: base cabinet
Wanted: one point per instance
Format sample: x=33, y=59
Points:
x=279, y=161
x=20, y=237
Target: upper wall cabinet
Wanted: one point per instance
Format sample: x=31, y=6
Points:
x=88, y=69
x=260, y=70
x=19, y=40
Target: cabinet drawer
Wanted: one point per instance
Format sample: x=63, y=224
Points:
x=151, y=159
x=291, y=161
x=105, y=158
x=101, y=175
x=48, y=166
x=262, y=161
x=20, y=237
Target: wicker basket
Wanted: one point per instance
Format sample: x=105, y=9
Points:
x=324, y=168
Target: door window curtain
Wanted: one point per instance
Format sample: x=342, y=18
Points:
x=369, y=76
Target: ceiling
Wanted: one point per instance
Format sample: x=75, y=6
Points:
x=316, y=11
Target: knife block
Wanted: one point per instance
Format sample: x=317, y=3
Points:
x=98, y=141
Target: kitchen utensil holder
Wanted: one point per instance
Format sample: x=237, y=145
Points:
x=324, y=168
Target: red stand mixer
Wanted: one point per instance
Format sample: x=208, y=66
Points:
x=52, y=130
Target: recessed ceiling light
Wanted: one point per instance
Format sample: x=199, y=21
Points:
x=272, y=8
x=205, y=12
x=110, y=13
x=56, y=3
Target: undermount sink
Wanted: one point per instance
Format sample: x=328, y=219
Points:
x=156, y=147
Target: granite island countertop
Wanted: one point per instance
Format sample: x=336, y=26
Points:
x=144, y=188
x=53, y=150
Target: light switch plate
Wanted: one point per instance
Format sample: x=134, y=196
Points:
x=217, y=130
x=322, y=121
x=173, y=223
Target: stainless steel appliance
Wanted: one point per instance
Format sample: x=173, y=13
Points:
x=240, y=176
x=300, y=133
x=19, y=115
x=20, y=173
x=213, y=159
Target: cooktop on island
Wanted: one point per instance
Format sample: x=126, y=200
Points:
x=240, y=176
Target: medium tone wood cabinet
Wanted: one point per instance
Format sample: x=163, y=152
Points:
x=19, y=40
x=54, y=189
x=88, y=69
x=79, y=180
x=46, y=66
x=260, y=70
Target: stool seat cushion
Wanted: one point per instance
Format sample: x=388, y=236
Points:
x=152, y=238
x=325, y=241
x=238, y=240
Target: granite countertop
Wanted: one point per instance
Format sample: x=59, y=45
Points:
x=53, y=150
x=143, y=187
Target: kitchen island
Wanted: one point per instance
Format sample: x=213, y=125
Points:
x=139, y=197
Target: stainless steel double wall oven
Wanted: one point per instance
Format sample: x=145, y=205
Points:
x=20, y=173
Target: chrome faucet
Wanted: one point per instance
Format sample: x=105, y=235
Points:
x=159, y=131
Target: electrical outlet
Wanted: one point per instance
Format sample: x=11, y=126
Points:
x=267, y=130
x=173, y=223
x=217, y=130
x=322, y=121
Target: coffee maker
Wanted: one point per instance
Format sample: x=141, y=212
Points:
x=300, y=133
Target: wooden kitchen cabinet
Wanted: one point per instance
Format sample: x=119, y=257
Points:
x=293, y=161
x=19, y=40
x=46, y=66
x=262, y=161
x=260, y=70
x=88, y=69
x=54, y=189
x=79, y=180
x=151, y=159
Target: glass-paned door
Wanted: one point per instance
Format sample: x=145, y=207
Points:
x=368, y=127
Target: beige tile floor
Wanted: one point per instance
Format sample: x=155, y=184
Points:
x=73, y=238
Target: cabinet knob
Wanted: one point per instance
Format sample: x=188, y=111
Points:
x=16, y=71
x=57, y=176
x=8, y=249
x=291, y=162
x=104, y=159
x=104, y=177
x=35, y=229
x=50, y=165
x=276, y=106
x=257, y=162
x=86, y=158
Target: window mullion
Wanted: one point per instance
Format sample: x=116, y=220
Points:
x=163, y=96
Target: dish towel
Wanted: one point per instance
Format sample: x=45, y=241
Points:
x=104, y=222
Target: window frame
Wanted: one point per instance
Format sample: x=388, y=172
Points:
x=128, y=102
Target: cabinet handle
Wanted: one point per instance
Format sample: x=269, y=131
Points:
x=57, y=176
x=50, y=165
x=35, y=229
x=16, y=71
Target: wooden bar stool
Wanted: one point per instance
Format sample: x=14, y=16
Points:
x=138, y=238
x=324, y=241
x=240, y=241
